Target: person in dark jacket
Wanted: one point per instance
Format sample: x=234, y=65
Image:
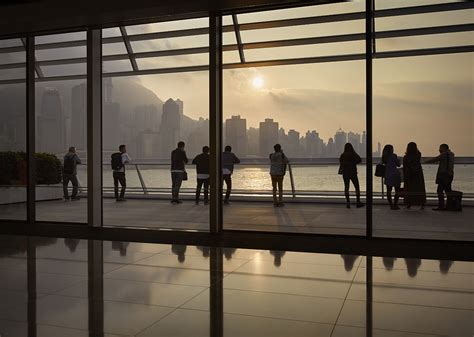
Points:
x=348, y=168
x=202, y=169
x=70, y=174
x=178, y=162
x=278, y=163
x=393, y=178
x=444, y=175
x=413, y=178
x=228, y=161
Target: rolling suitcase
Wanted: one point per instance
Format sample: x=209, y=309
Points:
x=454, y=201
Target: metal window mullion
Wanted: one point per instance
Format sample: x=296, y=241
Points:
x=368, y=117
x=128, y=47
x=38, y=70
x=238, y=38
x=94, y=127
x=216, y=292
x=215, y=121
x=31, y=285
x=30, y=130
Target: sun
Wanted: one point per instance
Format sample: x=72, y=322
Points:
x=257, y=82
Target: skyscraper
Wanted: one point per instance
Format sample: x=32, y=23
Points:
x=146, y=118
x=51, y=126
x=363, y=145
x=170, y=127
x=354, y=139
x=313, y=144
x=268, y=136
x=236, y=135
x=294, y=145
x=79, y=117
x=340, y=139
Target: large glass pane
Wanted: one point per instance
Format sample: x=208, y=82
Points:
x=312, y=110
x=426, y=100
x=61, y=134
x=150, y=115
x=12, y=132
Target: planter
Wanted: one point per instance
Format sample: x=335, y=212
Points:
x=11, y=195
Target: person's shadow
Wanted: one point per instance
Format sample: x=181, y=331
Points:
x=389, y=262
x=445, y=265
x=120, y=246
x=277, y=255
x=349, y=261
x=412, y=266
x=179, y=250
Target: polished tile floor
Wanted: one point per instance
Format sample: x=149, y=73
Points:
x=158, y=290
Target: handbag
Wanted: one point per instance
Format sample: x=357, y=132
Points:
x=185, y=175
x=380, y=170
x=340, y=171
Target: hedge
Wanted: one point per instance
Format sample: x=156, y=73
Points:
x=13, y=168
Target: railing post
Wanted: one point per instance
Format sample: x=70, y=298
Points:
x=293, y=192
x=142, y=182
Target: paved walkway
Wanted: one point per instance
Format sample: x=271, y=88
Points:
x=262, y=216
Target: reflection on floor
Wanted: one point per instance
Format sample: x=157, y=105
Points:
x=295, y=217
x=162, y=290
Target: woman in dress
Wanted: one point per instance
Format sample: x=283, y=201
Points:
x=392, y=177
x=414, y=181
x=348, y=168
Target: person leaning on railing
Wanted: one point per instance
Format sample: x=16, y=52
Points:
x=278, y=163
x=348, y=169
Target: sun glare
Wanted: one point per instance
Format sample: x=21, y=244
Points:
x=257, y=82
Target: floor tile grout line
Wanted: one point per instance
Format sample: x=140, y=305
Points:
x=171, y=312
x=347, y=295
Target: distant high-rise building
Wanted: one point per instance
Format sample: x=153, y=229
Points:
x=253, y=135
x=236, y=135
x=354, y=139
x=283, y=138
x=107, y=87
x=147, y=142
x=313, y=145
x=331, y=149
x=111, y=131
x=170, y=127
x=181, y=106
x=294, y=145
x=146, y=118
x=268, y=136
x=51, y=126
x=198, y=137
x=340, y=139
x=79, y=117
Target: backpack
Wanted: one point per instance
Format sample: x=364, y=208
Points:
x=69, y=165
x=116, y=161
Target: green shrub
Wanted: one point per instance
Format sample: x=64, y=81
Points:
x=13, y=168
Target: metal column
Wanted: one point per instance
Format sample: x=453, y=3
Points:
x=95, y=262
x=216, y=293
x=31, y=282
x=94, y=127
x=215, y=120
x=368, y=117
x=30, y=130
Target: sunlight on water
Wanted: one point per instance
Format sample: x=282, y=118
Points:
x=257, y=178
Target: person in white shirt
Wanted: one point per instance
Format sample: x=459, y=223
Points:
x=119, y=159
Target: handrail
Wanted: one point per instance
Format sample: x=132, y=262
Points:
x=142, y=182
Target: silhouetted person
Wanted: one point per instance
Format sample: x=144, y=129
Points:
x=278, y=162
x=72, y=244
x=413, y=178
x=389, y=262
x=120, y=246
x=349, y=261
x=70, y=174
x=392, y=177
x=206, y=251
x=348, y=168
x=445, y=265
x=228, y=161
x=444, y=175
x=202, y=169
x=412, y=266
x=179, y=250
x=228, y=252
x=277, y=255
x=178, y=162
x=119, y=159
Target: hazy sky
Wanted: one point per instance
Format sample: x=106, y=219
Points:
x=427, y=99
